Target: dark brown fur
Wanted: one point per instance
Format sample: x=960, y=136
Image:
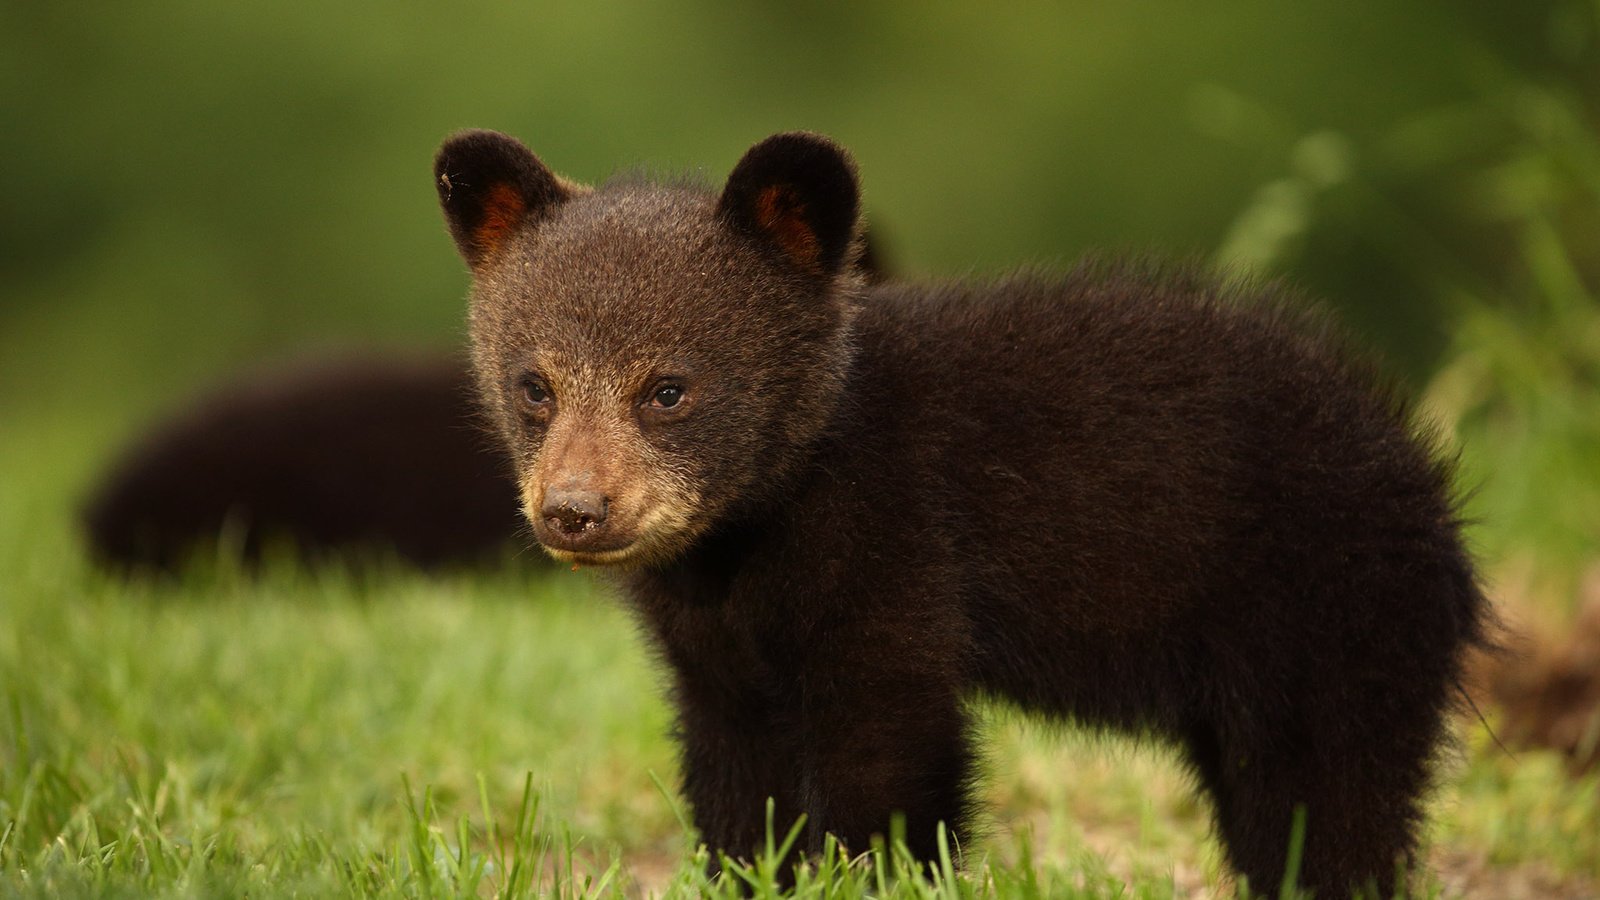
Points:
x=1129, y=497
x=349, y=457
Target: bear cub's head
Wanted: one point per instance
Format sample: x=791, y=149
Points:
x=657, y=357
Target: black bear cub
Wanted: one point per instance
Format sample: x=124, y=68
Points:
x=1128, y=497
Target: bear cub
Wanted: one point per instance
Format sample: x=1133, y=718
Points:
x=1128, y=497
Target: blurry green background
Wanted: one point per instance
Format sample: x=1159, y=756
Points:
x=192, y=187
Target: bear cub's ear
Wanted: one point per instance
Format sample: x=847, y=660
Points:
x=798, y=192
x=489, y=185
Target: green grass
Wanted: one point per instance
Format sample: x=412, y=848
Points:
x=389, y=734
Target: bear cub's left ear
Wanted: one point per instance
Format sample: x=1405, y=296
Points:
x=797, y=192
x=490, y=185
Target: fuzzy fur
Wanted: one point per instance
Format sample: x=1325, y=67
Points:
x=341, y=458
x=1131, y=497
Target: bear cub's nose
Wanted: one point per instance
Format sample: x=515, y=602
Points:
x=574, y=512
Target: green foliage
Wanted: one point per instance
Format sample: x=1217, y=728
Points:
x=1521, y=391
x=1488, y=207
x=189, y=185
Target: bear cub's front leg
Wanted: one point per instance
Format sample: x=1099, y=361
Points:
x=852, y=753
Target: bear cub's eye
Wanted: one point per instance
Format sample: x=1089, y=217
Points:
x=666, y=395
x=535, y=391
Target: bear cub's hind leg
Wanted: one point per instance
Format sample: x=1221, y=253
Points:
x=1361, y=805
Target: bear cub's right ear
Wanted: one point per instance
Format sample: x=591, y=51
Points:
x=490, y=185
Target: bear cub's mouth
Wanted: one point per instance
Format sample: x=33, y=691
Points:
x=591, y=543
